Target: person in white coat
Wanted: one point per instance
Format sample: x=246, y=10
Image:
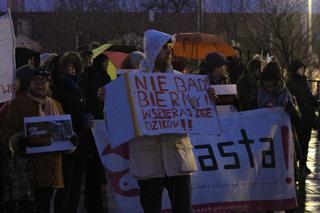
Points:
x=166, y=160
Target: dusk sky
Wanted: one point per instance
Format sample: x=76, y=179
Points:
x=45, y=5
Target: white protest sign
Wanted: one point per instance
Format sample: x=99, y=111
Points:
x=7, y=58
x=152, y=103
x=249, y=168
x=48, y=133
x=225, y=89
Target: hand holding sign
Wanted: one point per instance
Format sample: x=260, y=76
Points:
x=212, y=94
x=153, y=104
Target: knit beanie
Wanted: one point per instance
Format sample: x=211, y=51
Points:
x=271, y=72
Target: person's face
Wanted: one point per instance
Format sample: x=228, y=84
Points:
x=31, y=62
x=71, y=70
x=164, y=56
x=220, y=71
x=87, y=60
x=301, y=71
x=104, y=64
x=39, y=85
x=269, y=85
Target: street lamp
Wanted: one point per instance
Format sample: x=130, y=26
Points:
x=310, y=26
x=200, y=15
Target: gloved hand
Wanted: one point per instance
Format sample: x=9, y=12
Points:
x=74, y=139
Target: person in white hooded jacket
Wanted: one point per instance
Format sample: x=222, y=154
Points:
x=166, y=160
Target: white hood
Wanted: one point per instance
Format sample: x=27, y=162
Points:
x=153, y=41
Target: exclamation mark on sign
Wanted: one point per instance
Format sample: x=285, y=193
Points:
x=285, y=144
x=190, y=124
x=183, y=124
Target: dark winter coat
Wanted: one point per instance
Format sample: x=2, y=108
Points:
x=91, y=80
x=235, y=70
x=73, y=102
x=298, y=87
x=247, y=87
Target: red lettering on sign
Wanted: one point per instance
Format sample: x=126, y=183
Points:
x=180, y=84
x=141, y=84
x=162, y=82
x=142, y=97
x=174, y=98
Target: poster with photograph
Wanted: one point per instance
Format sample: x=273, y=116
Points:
x=48, y=133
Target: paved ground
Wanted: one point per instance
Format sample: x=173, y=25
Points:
x=308, y=186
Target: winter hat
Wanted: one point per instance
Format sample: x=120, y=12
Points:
x=24, y=74
x=212, y=60
x=71, y=58
x=136, y=57
x=85, y=50
x=41, y=71
x=254, y=64
x=271, y=72
x=295, y=65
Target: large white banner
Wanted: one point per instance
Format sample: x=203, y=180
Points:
x=249, y=167
x=156, y=103
x=7, y=58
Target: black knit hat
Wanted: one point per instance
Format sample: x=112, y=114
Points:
x=295, y=65
x=42, y=71
x=24, y=74
x=212, y=61
x=271, y=72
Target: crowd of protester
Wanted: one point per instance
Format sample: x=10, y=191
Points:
x=72, y=83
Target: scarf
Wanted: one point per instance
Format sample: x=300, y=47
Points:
x=72, y=81
x=279, y=97
x=47, y=106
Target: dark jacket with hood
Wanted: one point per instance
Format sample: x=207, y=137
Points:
x=70, y=94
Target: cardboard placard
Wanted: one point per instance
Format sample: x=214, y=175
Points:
x=140, y=103
x=48, y=133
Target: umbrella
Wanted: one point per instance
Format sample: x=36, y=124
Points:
x=198, y=45
x=115, y=60
x=116, y=57
x=116, y=53
x=113, y=47
x=26, y=42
